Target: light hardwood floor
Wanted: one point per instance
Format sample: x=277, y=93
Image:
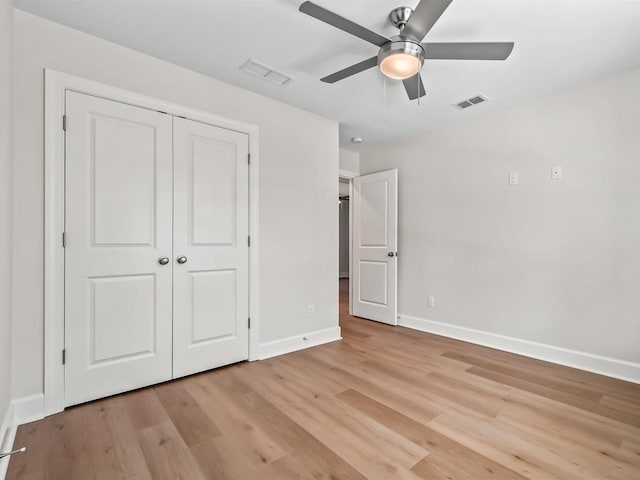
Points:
x=383, y=403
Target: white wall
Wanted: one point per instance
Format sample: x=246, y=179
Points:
x=555, y=262
x=6, y=28
x=349, y=161
x=298, y=187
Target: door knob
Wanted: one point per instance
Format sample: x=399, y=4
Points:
x=390, y=254
x=181, y=259
x=163, y=260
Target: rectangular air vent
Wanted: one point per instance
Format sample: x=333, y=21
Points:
x=470, y=102
x=265, y=72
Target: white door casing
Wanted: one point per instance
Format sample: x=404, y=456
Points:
x=211, y=228
x=118, y=327
x=375, y=240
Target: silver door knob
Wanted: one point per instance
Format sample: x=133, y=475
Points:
x=163, y=260
x=181, y=259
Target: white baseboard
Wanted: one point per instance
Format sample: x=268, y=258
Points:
x=610, y=367
x=28, y=409
x=7, y=435
x=298, y=342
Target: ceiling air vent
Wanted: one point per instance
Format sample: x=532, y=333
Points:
x=265, y=72
x=470, y=102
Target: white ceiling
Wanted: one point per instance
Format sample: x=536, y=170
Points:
x=557, y=43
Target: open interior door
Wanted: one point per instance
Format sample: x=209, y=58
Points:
x=375, y=243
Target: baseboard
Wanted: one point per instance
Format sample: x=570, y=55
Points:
x=298, y=342
x=28, y=409
x=610, y=367
x=7, y=435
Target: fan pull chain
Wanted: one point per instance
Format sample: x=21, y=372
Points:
x=384, y=98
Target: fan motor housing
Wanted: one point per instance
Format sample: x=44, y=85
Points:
x=401, y=45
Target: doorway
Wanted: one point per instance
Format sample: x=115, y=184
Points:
x=344, y=242
x=372, y=239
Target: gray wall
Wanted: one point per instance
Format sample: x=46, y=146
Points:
x=299, y=160
x=6, y=28
x=555, y=262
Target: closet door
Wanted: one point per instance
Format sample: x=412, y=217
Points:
x=118, y=327
x=210, y=291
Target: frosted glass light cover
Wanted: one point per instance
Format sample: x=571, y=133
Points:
x=400, y=66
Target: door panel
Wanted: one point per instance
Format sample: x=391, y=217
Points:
x=211, y=189
x=375, y=238
x=373, y=282
x=213, y=197
x=374, y=198
x=122, y=317
x=118, y=223
x=214, y=305
x=123, y=176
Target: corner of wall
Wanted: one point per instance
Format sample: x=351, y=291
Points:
x=6, y=192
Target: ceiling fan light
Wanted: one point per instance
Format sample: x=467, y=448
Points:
x=400, y=66
x=400, y=59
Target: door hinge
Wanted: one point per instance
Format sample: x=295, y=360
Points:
x=249, y=323
x=64, y=356
x=64, y=239
x=64, y=123
x=249, y=241
x=248, y=158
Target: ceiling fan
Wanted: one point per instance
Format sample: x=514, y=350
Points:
x=401, y=57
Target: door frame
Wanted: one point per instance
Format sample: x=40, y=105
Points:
x=349, y=175
x=56, y=85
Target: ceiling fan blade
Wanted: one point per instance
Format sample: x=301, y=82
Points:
x=335, y=20
x=468, y=51
x=423, y=18
x=352, y=70
x=414, y=86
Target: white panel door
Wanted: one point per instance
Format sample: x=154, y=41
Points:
x=375, y=240
x=118, y=225
x=211, y=226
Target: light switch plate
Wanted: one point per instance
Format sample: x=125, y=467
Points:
x=513, y=178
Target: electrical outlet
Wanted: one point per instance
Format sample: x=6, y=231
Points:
x=556, y=173
x=431, y=302
x=311, y=310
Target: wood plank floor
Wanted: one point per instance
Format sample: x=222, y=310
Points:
x=384, y=403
